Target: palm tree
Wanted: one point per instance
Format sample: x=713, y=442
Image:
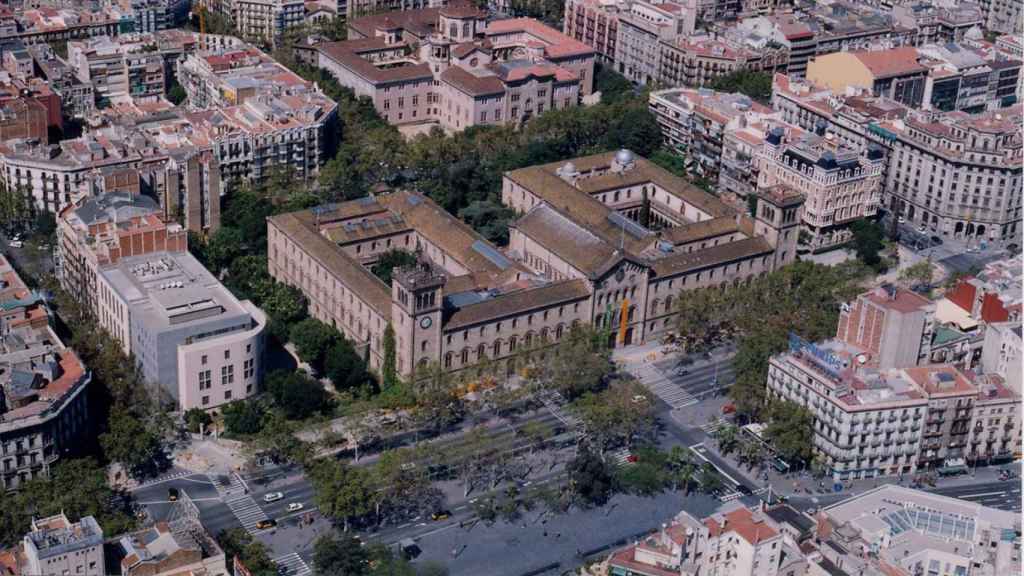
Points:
x=685, y=476
x=727, y=439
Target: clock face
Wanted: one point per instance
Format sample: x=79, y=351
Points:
x=425, y=322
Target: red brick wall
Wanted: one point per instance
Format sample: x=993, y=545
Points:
x=963, y=295
x=992, y=309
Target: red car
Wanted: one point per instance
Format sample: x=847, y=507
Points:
x=728, y=409
x=631, y=458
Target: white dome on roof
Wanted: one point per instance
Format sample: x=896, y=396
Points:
x=624, y=156
x=569, y=167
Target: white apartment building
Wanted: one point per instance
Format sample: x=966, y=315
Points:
x=641, y=28
x=1001, y=353
x=266, y=20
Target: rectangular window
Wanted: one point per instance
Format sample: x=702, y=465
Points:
x=227, y=354
x=227, y=374
x=204, y=379
x=206, y=400
x=204, y=359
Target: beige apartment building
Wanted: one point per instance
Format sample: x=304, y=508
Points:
x=578, y=254
x=958, y=175
x=842, y=185
x=267, y=20
x=448, y=66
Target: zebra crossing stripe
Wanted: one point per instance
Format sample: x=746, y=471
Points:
x=293, y=565
x=247, y=512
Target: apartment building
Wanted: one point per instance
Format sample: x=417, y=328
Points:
x=895, y=74
x=23, y=119
x=579, y=254
x=841, y=184
x=960, y=78
x=695, y=122
x=733, y=541
x=154, y=15
x=77, y=98
x=955, y=174
x=116, y=70
x=47, y=24
x=44, y=414
x=893, y=325
x=180, y=547
x=57, y=546
x=460, y=73
x=1001, y=353
x=642, y=28
x=897, y=530
x=698, y=60
x=267, y=20
x=101, y=230
x=358, y=8
x=595, y=23
x=187, y=332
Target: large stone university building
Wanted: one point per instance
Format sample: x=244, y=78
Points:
x=609, y=240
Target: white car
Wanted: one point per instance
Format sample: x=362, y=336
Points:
x=273, y=497
x=15, y=243
x=295, y=506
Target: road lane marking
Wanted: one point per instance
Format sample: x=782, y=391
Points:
x=982, y=494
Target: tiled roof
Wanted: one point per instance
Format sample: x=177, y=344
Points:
x=471, y=83
x=742, y=522
x=558, y=45
x=301, y=229
x=894, y=62
x=517, y=303
x=347, y=54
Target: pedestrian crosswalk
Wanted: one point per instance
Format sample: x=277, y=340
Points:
x=292, y=565
x=169, y=476
x=554, y=402
x=713, y=426
x=670, y=392
x=247, y=511
x=620, y=457
x=228, y=486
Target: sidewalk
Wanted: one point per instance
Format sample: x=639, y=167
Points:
x=800, y=484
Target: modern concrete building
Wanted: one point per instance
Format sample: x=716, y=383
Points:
x=187, y=332
x=100, y=231
x=448, y=66
x=896, y=530
x=579, y=254
x=117, y=71
x=1001, y=353
x=44, y=402
x=891, y=324
x=57, y=547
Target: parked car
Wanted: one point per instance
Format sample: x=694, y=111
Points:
x=937, y=240
x=295, y=506
x=273, y=497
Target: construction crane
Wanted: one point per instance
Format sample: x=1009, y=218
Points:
x=200, y=12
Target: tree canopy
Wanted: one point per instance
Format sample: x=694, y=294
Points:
x=756, y=85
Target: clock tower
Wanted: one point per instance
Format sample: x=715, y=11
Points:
x=417, y=295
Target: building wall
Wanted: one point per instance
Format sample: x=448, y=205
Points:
x=839, y=70
x=216, y=371
x=1001, y=353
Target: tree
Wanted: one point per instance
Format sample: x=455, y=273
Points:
x=590, y=477
x=312, y=338
x=342, y=492
x=342, y=555
x=345, y=368
x=197, y=419
x=490, y=218
x=537, y=433
x=756, y=85
x=253, y=554
x=670, y=160
x=276, y=438
x=617, y=416
x=727, y=437
x=44, y=227
x=389, y=370
x=867, y=243
x=578, y=364
x=76, y=487
x=223, y=247
x=614, y=87
x=791, y=430
x=14, y=207
x=243, y=417
x=709, y=478
x=297, y=395
x=133, y=444
x=389, y=261
x=177, y=94
x=921, y=273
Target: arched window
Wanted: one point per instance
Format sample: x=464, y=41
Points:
x=512, y=343
x=544, y=335
x=465, y=356
x=558, y=331
x=496, y=349
x=448, y=360
x=481, y=352
x=654, y=306
x=668, y=304
x=528, y=339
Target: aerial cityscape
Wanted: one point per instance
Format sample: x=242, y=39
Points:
x=511, y=287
